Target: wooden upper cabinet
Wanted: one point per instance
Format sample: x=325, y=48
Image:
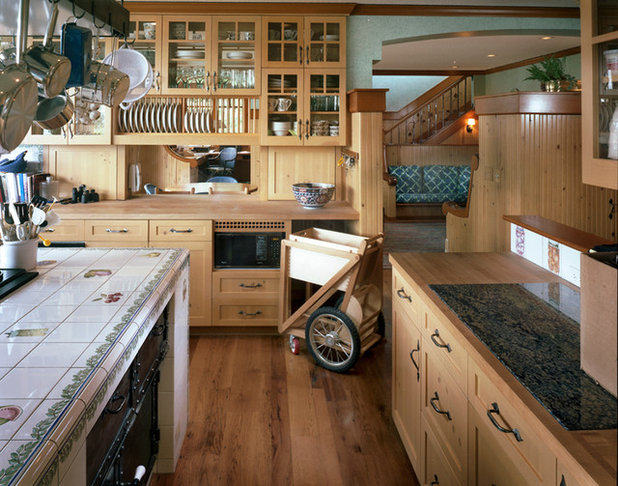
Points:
x=599, y=52
x=146, y=36
x=303, y=42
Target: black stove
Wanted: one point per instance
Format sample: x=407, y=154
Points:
x=13, y=278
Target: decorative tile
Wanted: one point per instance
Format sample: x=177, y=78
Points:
x=13, y=353
x=75, y=332
x=53, y=355
x=48, y=313
x=122, y=283
x=13, y=414
x=27, y=296
x=64, y=297
x=107, y=298
x=29, y=382
x=11, y=312
x=41, y=419
x=14, y=455
x=79, y=283
x=96, y=313
x=69, y=384
x=24, y=332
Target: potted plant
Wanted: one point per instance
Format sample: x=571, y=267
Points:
x=551, y=74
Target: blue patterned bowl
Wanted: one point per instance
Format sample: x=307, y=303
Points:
x=313, y=195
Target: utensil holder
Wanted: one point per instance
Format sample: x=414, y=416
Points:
x=19, y=254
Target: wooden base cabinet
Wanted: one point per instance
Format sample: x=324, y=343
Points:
x=436, y=470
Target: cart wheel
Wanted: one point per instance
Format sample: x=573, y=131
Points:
x=294, y=344
x=381, y=328
x=332, y=339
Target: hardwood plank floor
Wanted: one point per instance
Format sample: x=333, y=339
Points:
x=261, y=416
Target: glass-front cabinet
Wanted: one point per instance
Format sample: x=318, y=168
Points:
x=599, y=38
x=308, y=42
x=145, y=34
x=304, y=107
x=211, y=55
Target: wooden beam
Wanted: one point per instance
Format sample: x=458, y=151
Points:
x=425, y=72
x=533, y=60
x=535, y=102
x=466, y=11
x=239, y=8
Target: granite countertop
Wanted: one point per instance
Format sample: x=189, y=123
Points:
x=533, y=329
x=62, y=335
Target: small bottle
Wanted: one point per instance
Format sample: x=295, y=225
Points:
x=49, y=188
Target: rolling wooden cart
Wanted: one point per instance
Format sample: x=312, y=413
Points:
x=336, y=335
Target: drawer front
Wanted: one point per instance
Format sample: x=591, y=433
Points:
x=436, y=470
x=522, y=445
x=250, y=314
x=262, y=284
x=116, y=231
x=445, y=408
x=442, y=341
x=66, y=230
x=177, y=230
x=406, y=295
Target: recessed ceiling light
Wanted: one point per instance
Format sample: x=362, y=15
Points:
x=491, y=55
x=455, y=66
x=547, y=37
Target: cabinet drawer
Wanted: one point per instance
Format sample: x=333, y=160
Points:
x=405, y=295
x=262, y=284
x=245, y=314
x=66, y=230
x=445, y=408
x=436, y=470
x=442, y=340
x=177, y=230
x=522, y=446
x=116, y=231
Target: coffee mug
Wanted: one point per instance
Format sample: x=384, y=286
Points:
x=272, y=104
x=283, y=104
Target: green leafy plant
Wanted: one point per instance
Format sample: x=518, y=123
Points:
x=550, y=69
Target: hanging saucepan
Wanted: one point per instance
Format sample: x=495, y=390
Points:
x=51, y=70
x=54, y=113
x=107, y=85
x=18, y=92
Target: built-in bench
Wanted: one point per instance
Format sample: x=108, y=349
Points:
x=424, y=189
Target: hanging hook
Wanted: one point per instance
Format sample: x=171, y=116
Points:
x=74, y=14
x=94, y=19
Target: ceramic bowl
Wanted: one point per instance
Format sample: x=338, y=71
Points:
x=313, y=195
x=280, y=133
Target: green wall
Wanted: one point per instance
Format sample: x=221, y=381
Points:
x=403, y=89
x=365, y=35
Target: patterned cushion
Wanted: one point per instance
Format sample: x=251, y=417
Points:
x=426, y=197
x=441, y=179
x=464, y=181
x=409, y=178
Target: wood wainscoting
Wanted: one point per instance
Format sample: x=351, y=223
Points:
x=530, y=164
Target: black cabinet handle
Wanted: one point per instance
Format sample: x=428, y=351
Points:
x=402, y=295
x=563, y=481
x=250, y=286
x=116, y=398
x=433, y=401
x=435, y=335
x=435, y=481
x=214, y=81
x=495, y=410
x=418, y=371
x=249, y=314
x=307, y=128
x=307, y=56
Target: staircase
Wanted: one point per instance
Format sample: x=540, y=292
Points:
x=432, y=116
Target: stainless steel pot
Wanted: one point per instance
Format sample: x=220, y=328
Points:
x=54, y=113
x=18, y=92
x=50, y=70
x=107, y=85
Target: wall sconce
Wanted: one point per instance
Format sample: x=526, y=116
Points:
x=470, y=122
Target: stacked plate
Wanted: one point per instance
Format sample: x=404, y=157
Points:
x=281, y=128
x=189, y=54
x=275, y=83
x=320, y=128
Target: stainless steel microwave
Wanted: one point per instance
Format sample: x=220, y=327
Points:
x=248, y=250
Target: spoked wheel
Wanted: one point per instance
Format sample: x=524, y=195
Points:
x=332, y=339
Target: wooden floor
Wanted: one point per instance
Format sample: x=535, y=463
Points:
x=261, y=416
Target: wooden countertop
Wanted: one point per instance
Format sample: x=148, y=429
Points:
x=574, y=238
x=594, y=451
x=204, y=207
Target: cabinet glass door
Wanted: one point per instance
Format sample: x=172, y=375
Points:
x=145, y=33
x=607, y=100
x=283, y=42
x=283, y=106
x=237, y=55
x=187, y=55
x=324, y=41
x=324, y=100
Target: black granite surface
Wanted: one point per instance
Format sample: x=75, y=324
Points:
x=538, y=343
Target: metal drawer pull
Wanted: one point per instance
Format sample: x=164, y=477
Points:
x=440, y=345
x=174, y=230
x=50, y=230
x=250, y=286
x=496, y=410
x=418, y=371
x=402, y=295
x=249, y=314
x=436, y=398
x=115, y=398
x=123, y=230
x=436, y=481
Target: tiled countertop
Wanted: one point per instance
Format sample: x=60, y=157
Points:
x=60, y=337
